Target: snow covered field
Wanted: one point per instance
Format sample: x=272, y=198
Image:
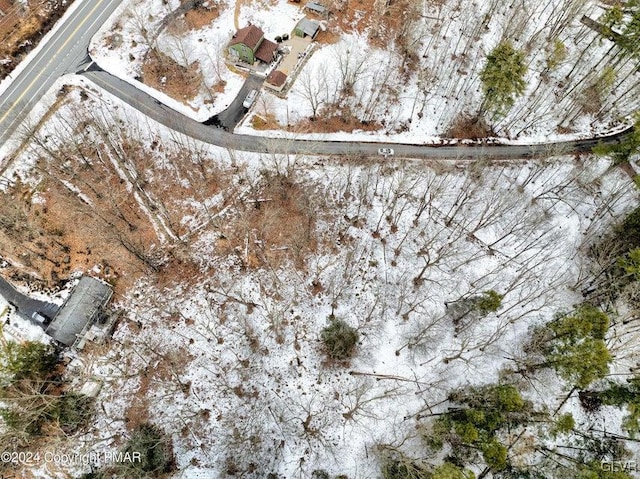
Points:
x=229, y=362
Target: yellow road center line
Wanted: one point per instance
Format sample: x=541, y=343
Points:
x=53, y=57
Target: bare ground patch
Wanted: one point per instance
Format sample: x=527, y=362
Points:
x=333, y=120
x=274, y=223
x=468, y=127
x=380, y=21
x=163, y=73
x=327, y=37
x=203, y=16
x=101, y=195
x=22, y=27
x=265, y=122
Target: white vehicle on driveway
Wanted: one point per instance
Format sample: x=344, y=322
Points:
x=251, y=97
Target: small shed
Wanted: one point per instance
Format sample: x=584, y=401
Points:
x=316, y=8
x=276, y=80
x=306, y=28
x=84, y=305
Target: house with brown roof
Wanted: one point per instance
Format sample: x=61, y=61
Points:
x=248, y=45
x=276, y=80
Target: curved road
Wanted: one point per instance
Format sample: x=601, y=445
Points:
x=216, y=136
x=67, y=52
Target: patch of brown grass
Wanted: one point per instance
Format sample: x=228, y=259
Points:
x=335, y=122
x=202, y=16
x=275, y=224
x=85, y=214
x=265, y=122
x=468, y=127
x=138, y=411
x=380, y=21
x=22, y=27
x=218, y=87
x=591, y=99
x=166, y=75
x=327, y=37
x=56, y=236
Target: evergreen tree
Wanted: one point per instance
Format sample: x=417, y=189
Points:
x=502, y=78
x=475, y=421
x=29, y=360
x=625, y=394
x=576, y=347
x=155, y=450
x=626, y=24
x=489, y=302
x=339, y=339
x=629, y=145
x=448, y=470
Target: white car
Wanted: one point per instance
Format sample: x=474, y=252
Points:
x=385, y=151
x=39, y=318
x=251, y=97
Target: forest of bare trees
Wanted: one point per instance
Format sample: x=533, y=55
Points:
x=434, y=275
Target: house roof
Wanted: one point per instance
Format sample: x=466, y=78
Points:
x=266, y=50
x=5, y=5
x=80, y=308
x=309, y=27
x=276, y=78
x=249, y=36
x=316, y=7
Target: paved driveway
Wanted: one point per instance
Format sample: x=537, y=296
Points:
x=229, y=118
x=298, y=46
x=25, y=305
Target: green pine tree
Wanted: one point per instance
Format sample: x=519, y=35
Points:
x=502, y=79
x=621, y=152
x=446, y=470
x=576, y=348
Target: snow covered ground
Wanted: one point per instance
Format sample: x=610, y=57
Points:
x=396, y=242
x=247, y=371
x=420, y=85
x=229, y=362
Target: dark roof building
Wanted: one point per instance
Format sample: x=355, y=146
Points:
x=276, y=78
x=316, y=8
x=266, y=52
x=83, y=306
x=248, y=45
x=249, y=36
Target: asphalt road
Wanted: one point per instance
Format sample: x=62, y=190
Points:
x=217, y=136
x=66, y=50
x=25, y=305
x=231, y=116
